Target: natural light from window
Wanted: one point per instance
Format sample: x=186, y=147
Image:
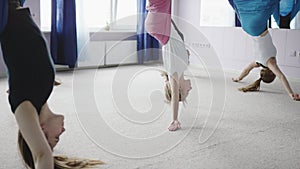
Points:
x=98, y=13
x=216, y=13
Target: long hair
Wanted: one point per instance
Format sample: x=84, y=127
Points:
x=167, y=87
x=266, y=75
x=60, y=162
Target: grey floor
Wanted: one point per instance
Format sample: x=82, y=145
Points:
x=118, y=115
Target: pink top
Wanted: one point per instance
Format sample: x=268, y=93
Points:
x=158, y=21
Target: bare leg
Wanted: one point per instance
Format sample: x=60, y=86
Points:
x=245, y=72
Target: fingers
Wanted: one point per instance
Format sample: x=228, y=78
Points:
x=296, y=97
x=235, y=79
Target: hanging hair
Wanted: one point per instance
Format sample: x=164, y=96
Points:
x=25, y=151
x=167, y=87
x=60, y=162
x=266, y=75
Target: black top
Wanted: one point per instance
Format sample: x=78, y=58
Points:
x=25, y=53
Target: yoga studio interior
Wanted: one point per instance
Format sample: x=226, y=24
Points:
x=112, y=93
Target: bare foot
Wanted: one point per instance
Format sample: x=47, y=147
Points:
x=175, y=125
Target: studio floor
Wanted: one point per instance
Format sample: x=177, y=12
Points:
x=119, y=115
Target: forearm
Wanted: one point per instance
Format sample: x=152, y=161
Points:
x=286, y=84
x=175, y=106
x=175, y=98
x=275, y=69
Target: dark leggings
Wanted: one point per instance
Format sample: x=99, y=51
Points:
x=30, y=67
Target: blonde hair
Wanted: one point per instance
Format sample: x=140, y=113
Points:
x=266, y=75
x=60, y=162
x=167, y=87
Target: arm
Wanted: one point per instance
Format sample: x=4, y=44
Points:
x=29, y=125
x=175, y=96
x=272, y=65
x=245, y=72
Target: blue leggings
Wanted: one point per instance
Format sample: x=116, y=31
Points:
x=294, y=11
x=254, y=14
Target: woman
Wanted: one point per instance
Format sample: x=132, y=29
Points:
x=253, y=16
x=267, y=75
x=27, y=59
x=175, y=57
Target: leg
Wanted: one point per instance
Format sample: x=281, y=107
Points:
x=285, y=21
x=245, y=72
x=254, y=14
x=285, y=9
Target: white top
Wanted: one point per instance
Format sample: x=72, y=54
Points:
x=264, y=49
x=175, y=56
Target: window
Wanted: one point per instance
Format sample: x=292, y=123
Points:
x=45, y=12
x=119, y=14
x=216, y=13
x=126, y=14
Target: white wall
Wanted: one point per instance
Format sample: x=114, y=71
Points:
x=232, y=46
x=234, y=49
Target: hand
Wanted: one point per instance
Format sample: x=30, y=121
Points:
x=57, y=83
x=235, y=79
x=295, y=96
